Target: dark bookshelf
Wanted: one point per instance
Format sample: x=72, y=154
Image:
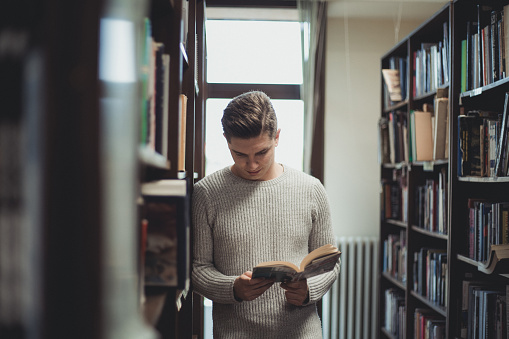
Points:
x=437, y=308
x=394, y=281
x=387, y=334
x=430, y=233
x=417, y=173
x=72, y=132
x=454, y=239
x=181, y=27
x=396, y=106
x=397, y=223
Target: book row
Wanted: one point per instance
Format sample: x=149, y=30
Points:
x=394, y=138
x=395, y=80
x=483, y=143
x=430, y=274
x=394, y=196
x=488, y=225
x=431, y=65
x=394, y=256
x=431, y=203
x=428, y=325
x=484, y=49
x=421, y=135
x=165, y=232
x=395, y=312
x=484, y=310
x=155, y=83
x=155, y=79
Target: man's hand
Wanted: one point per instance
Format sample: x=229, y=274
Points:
x=296, y=292
x=249, y=289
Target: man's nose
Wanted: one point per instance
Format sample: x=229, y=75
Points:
x=251, y=163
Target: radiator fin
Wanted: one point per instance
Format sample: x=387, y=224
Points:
x=350, y=307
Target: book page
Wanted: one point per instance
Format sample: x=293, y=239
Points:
x=318, y=266
x=317, y=253
x=279, y=264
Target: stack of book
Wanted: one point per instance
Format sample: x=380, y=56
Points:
x=483, y=143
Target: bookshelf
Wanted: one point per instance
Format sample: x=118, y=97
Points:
x=180, y=26
x=415, y=179
x=74, y=155
x=436, y=213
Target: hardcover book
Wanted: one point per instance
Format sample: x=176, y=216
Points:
x=423, y=136
x=167, y=215
x=440, y=128
x=392, y=80
x=321, y=260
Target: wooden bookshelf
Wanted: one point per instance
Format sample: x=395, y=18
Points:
x=180, y=25
x=464, y=193
x=75, y=161
x=411, y=175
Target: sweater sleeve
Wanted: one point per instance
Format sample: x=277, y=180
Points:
x=321, y=234
x=206, y=279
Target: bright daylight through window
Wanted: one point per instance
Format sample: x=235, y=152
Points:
x=255, y=52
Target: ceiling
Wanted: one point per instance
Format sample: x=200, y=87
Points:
x=370, y=9
x=383, y=9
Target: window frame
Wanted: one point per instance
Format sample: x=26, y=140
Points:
x=231, y=90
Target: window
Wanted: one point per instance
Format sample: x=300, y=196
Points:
x=245, y=55
x=256, y=52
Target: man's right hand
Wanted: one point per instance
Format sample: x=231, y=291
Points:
x=245, y=288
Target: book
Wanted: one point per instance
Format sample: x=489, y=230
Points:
x=502, y=146
x=392, y=80
x=167, y=214
x=464, y=65
x=160, y=246
x=383, y=141
x=469, y=159
x=181, y=165
x=468, y=57
x=494, y=46
x=392, y=137
x=423, y=136
x=165, y=106
x=440, y=128
x=505, y=33
x=321, y=260
x=158, y=97
x=497, y=254
x=493, y=126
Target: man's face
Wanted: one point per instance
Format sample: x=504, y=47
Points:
x=254, y=157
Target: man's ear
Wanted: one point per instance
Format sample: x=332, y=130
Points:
x=277, y=136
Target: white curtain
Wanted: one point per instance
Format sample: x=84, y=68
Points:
x=313, y=19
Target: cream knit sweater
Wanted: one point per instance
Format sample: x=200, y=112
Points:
x=239, y=223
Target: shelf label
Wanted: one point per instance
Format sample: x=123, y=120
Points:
x=427, y=166
x=476, y=91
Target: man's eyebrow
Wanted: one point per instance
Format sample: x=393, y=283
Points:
x=237, y=152
x=263, y=150
x=259, y=152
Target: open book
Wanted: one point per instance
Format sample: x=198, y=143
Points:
x=319, y=261
x=498, y=260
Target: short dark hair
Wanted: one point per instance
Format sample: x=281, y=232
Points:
x=248, y=116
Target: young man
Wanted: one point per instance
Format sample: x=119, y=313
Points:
x=253, y=211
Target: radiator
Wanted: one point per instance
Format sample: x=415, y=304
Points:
x=349, y=309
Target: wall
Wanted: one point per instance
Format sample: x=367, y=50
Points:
x=352, y=108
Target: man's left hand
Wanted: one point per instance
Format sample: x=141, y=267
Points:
x=296, y=292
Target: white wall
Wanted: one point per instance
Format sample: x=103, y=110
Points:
x=352, y=109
